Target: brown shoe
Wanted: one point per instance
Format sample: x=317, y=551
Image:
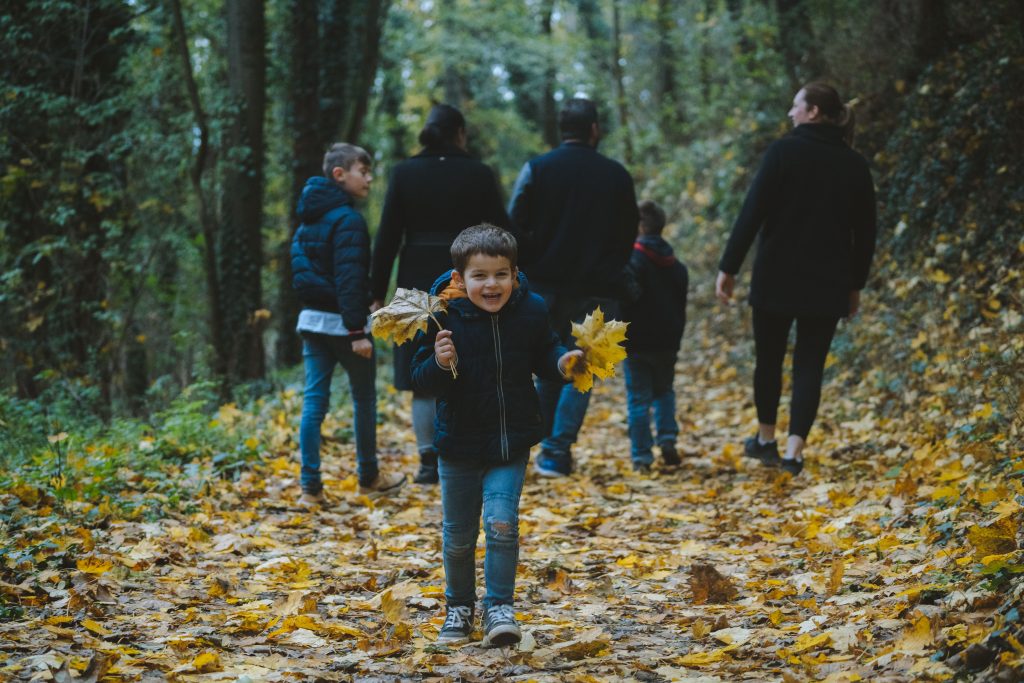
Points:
x=312, y=500
x=383, y=485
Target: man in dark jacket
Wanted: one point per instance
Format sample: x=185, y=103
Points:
x=656, y=312
x=330, y=258
x=574, y=212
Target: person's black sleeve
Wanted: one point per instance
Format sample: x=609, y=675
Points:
x=351, y=247
x=759, y=198
x=864, y=232
x=683, y=284
x=628, y=220
x=388, y=240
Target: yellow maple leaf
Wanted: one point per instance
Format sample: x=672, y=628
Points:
x=408, y=313
x=601, y=343
x=918, y=637
x=207, y=662
x=702, y=658
x=997, y=539
x=809, y=642
x=96, y=627
x=94, y=565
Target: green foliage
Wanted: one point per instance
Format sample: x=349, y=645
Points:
x=140, y=467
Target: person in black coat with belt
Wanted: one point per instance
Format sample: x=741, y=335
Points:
x=431, y=198
x=813, y=205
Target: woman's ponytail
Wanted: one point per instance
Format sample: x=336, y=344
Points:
x=826, y=99
x=442, y=127
x=847, y=121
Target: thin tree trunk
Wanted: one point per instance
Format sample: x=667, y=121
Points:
x=669, y=113
x=240, y=252
x=548, y=112
x=302, y=116
x=196, y=173
x=796, y=40
x=620, y=85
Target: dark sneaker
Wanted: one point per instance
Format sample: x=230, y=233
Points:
x=553, y=464
x=642, y=467
x=427, y=473
x=458, y=626
x=500, y=627
x=669, y=456
x=767, y=453
x=792, y=465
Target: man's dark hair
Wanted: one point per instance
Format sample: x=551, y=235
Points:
x=576, y=119
x=483, y=239
x=343, y=155
x=652, y=218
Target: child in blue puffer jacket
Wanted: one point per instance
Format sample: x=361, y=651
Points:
x=330, y=263
x=488, y=417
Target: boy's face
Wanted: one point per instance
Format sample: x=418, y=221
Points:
x=355, y=180
x=488, y=281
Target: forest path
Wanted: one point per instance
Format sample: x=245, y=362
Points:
x=718, y=570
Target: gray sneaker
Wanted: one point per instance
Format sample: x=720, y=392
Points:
x=500, y=627
x=458, y=625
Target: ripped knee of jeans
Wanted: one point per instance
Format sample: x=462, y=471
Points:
x=500, y=528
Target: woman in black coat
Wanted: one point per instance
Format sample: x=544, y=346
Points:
x=813, y=205
x=430, y=199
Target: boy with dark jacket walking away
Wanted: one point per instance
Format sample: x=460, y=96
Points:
x=488, y=417
x=330, y=259
x=657, y=316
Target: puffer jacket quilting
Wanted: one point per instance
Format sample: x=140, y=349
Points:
x=490, y=413
x=330, y=254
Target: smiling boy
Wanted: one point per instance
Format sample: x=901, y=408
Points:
x=488, y=417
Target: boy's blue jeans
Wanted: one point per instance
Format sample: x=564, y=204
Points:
x=321, y=353
x=649, y=376
x=466, y=490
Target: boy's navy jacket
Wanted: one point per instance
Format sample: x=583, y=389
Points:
x=331, y=254
x=489, y=414
x=657, y=284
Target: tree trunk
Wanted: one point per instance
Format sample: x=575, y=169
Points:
x=548, y=110
x=239, y=249
x=621, y=104
x=197, y=171
x=669, y=112
x=332, y=58
x=456, y=89
x=303, y=120
x=802, y=60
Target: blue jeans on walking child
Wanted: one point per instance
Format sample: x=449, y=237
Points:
x=321, y=353
x=649, y=376
x=467, y=489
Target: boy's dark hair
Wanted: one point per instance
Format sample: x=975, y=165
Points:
x=652, y=217
x=343, y=155
x=576, y=118
x=483, y=239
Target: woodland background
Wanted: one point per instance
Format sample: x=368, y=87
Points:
x=151, y=153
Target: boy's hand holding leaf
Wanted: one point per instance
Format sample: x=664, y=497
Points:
x=601, y=344
x=444, y=350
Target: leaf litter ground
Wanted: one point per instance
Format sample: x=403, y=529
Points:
x=893, y=557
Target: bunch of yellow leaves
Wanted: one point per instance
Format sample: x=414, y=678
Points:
x=601, y=343
x=408, y=313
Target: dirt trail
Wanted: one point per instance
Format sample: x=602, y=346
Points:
x=717, y=570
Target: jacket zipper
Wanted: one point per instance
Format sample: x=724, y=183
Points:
x=501, y=393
